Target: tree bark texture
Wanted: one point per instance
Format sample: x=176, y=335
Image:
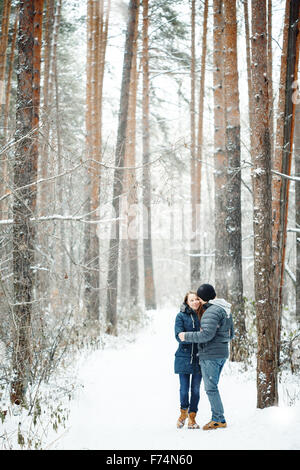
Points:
x=46, y=92
x=196, y=187
x=5, y=173
x=233, y=186
x=9, y=76
x=220, y=155
x=97, y=22
x=297, y=208
x=266, y=318
x=3, y=46
x=149, y=287
x=3, y=95
x=284, y=146
x=270, y=75
x=249, y=75
x=193, y=266
x=113, y=262
x=130, y=242
x=25, y=171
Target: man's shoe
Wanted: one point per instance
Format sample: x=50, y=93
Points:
x=214, y=425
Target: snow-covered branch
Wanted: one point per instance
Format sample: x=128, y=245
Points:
x=289, y=177
x=79, y=218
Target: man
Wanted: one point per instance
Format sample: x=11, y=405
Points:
x=216, y=331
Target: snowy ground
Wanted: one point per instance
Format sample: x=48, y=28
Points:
x=130, y=400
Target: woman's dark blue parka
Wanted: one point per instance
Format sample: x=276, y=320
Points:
x=186, y=356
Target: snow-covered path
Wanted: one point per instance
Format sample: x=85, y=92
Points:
x=130, y=400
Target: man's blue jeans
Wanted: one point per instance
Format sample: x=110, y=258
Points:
x=184, y=391
x=211, y=370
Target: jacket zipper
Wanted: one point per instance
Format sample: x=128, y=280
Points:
x=192, y=343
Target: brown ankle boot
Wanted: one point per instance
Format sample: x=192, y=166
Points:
x=182, y=418
x=214, y=425
x=191, y=422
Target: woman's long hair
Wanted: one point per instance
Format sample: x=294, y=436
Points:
x=200, y=309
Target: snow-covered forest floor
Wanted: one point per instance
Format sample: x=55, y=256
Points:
x=127, y=397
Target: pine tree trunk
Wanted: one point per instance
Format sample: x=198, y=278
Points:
x=277, y=162
x=297, y=209
x=196, y=199
x=283, y=151
x=9, y=76
x=266, y=317
x=130, y=179
x=5, y=176
x=38, y=25
x=93, y=141
x=113, y=262
x=3, y=96
x=149, y=287
x=3, y=48
x=44, y=190
x=233, y=192
x=249, y=75
x=47, y=53
x=220, y=156
x=89, y=143
x=270, y=75
x=194, y=222
x=25, y=171
x=96, y=49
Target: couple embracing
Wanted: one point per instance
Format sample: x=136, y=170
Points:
x=203, y=328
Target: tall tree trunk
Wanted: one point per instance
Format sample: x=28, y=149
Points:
x=47, y=53
x=3, y=54
x=43, y=191
x=130, y=184
x=38, y=24
x=96, y=49
x=284, y=146
x=297, y=208
x=266, y=317
x=9, y=76
x=233, y=193
x=92, y=280
x=194, y=222
x=196, y=187
x=251, y=115
x=291, y=79
x=149, y=287
x=270, y=75
x=113, y=262
x=89, y=138
x=220, y=156
x=277, y=160
x=291, y=82
x=5, y=176
x=25, y=171
x=59, y=255
x=3, y=48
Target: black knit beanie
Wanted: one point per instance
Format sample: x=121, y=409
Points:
x=206, y=292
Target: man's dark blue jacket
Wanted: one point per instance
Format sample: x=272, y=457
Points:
x=216, y=330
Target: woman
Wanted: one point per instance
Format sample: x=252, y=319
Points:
x=186, y=360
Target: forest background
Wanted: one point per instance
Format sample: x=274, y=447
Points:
x=145, y=149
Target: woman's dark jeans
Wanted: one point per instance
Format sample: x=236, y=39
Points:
x=192, y=386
